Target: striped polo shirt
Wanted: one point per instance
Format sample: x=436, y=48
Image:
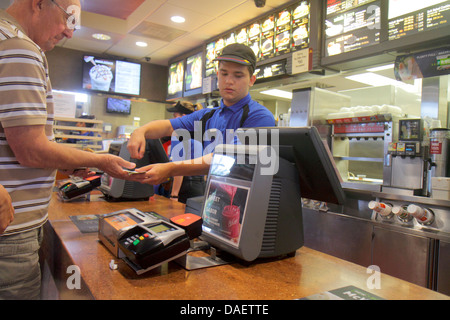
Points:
x=25, y=100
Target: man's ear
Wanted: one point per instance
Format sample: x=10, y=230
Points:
x=37, y=4
x=252, y=80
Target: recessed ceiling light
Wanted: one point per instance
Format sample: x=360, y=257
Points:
x=101, y=36
x=141, y=44
x=278, y=93
x=178, y=19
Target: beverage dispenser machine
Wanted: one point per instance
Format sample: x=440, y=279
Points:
x=407, y=162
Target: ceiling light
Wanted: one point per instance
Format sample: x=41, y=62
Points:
x=101, y=36
x=278, y=93
x=380, y=68
x=141, y=44
x=376, y=80
x=178, y=19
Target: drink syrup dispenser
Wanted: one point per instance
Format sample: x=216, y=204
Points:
x=409, y=159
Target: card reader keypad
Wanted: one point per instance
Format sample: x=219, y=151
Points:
x=137, y=238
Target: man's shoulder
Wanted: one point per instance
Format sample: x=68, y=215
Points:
x=12, y=38
x=259, y=115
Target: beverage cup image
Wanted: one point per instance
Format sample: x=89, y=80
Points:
x=230, y=221
x=101, y=77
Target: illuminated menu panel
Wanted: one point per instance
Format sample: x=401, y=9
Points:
x=351, y=25
x=338, y=6
x=267, y=34
x=209, y=59
x=300, y=26
x=193, y=75
x=278, y=33
x=254, y=37
x=411, y=17
x=175, y=85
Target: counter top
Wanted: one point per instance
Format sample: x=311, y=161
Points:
x=308, y=272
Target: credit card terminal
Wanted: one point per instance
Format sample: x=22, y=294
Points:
x=149, y=245
x=76, y=188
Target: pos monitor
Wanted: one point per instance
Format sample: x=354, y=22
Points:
x=252, y=207
x=122, y=190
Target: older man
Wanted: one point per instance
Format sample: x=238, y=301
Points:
x=28, y=154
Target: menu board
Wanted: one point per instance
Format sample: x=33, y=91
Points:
x=193, y=76
x=351, y=25
x=242, y=36
x=411, y=17
x=175, y=85
x=209, y=59
x=271, y=70
x=267, y=34
x=283, y=32
x=254, y=37
x=300, y=26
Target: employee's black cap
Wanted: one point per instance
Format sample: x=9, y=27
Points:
x=238, y=53
x=180, y=109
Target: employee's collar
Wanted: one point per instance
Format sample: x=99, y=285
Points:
x=238, y=105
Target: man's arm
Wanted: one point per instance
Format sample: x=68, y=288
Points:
x=6, y=209
x=32, y=149
x=152, y=130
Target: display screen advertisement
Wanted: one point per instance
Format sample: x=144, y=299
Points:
x=112, y=76
x=175, y=85
x=424, y=64
x=411, y=17
x=224, y=210
x=193, y=77
x=351, y=27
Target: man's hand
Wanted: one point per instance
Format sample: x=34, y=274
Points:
x=6, y=209
x=114, y=166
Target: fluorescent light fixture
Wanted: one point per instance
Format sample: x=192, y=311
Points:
x=376, y=80
x=79, y=97
x=141, y=44
x=278, y=93
x=101, y=36
x=380, y=68
x=178, y=19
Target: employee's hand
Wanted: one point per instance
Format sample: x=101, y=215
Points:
x=6, y=209
x=154, y=173
x=114, y=165
x=136, y=144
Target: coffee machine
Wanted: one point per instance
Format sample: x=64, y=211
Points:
x=407, y=161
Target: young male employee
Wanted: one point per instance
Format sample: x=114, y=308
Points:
x=237, y=109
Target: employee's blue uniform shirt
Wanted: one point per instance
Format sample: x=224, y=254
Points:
x=226, y=118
